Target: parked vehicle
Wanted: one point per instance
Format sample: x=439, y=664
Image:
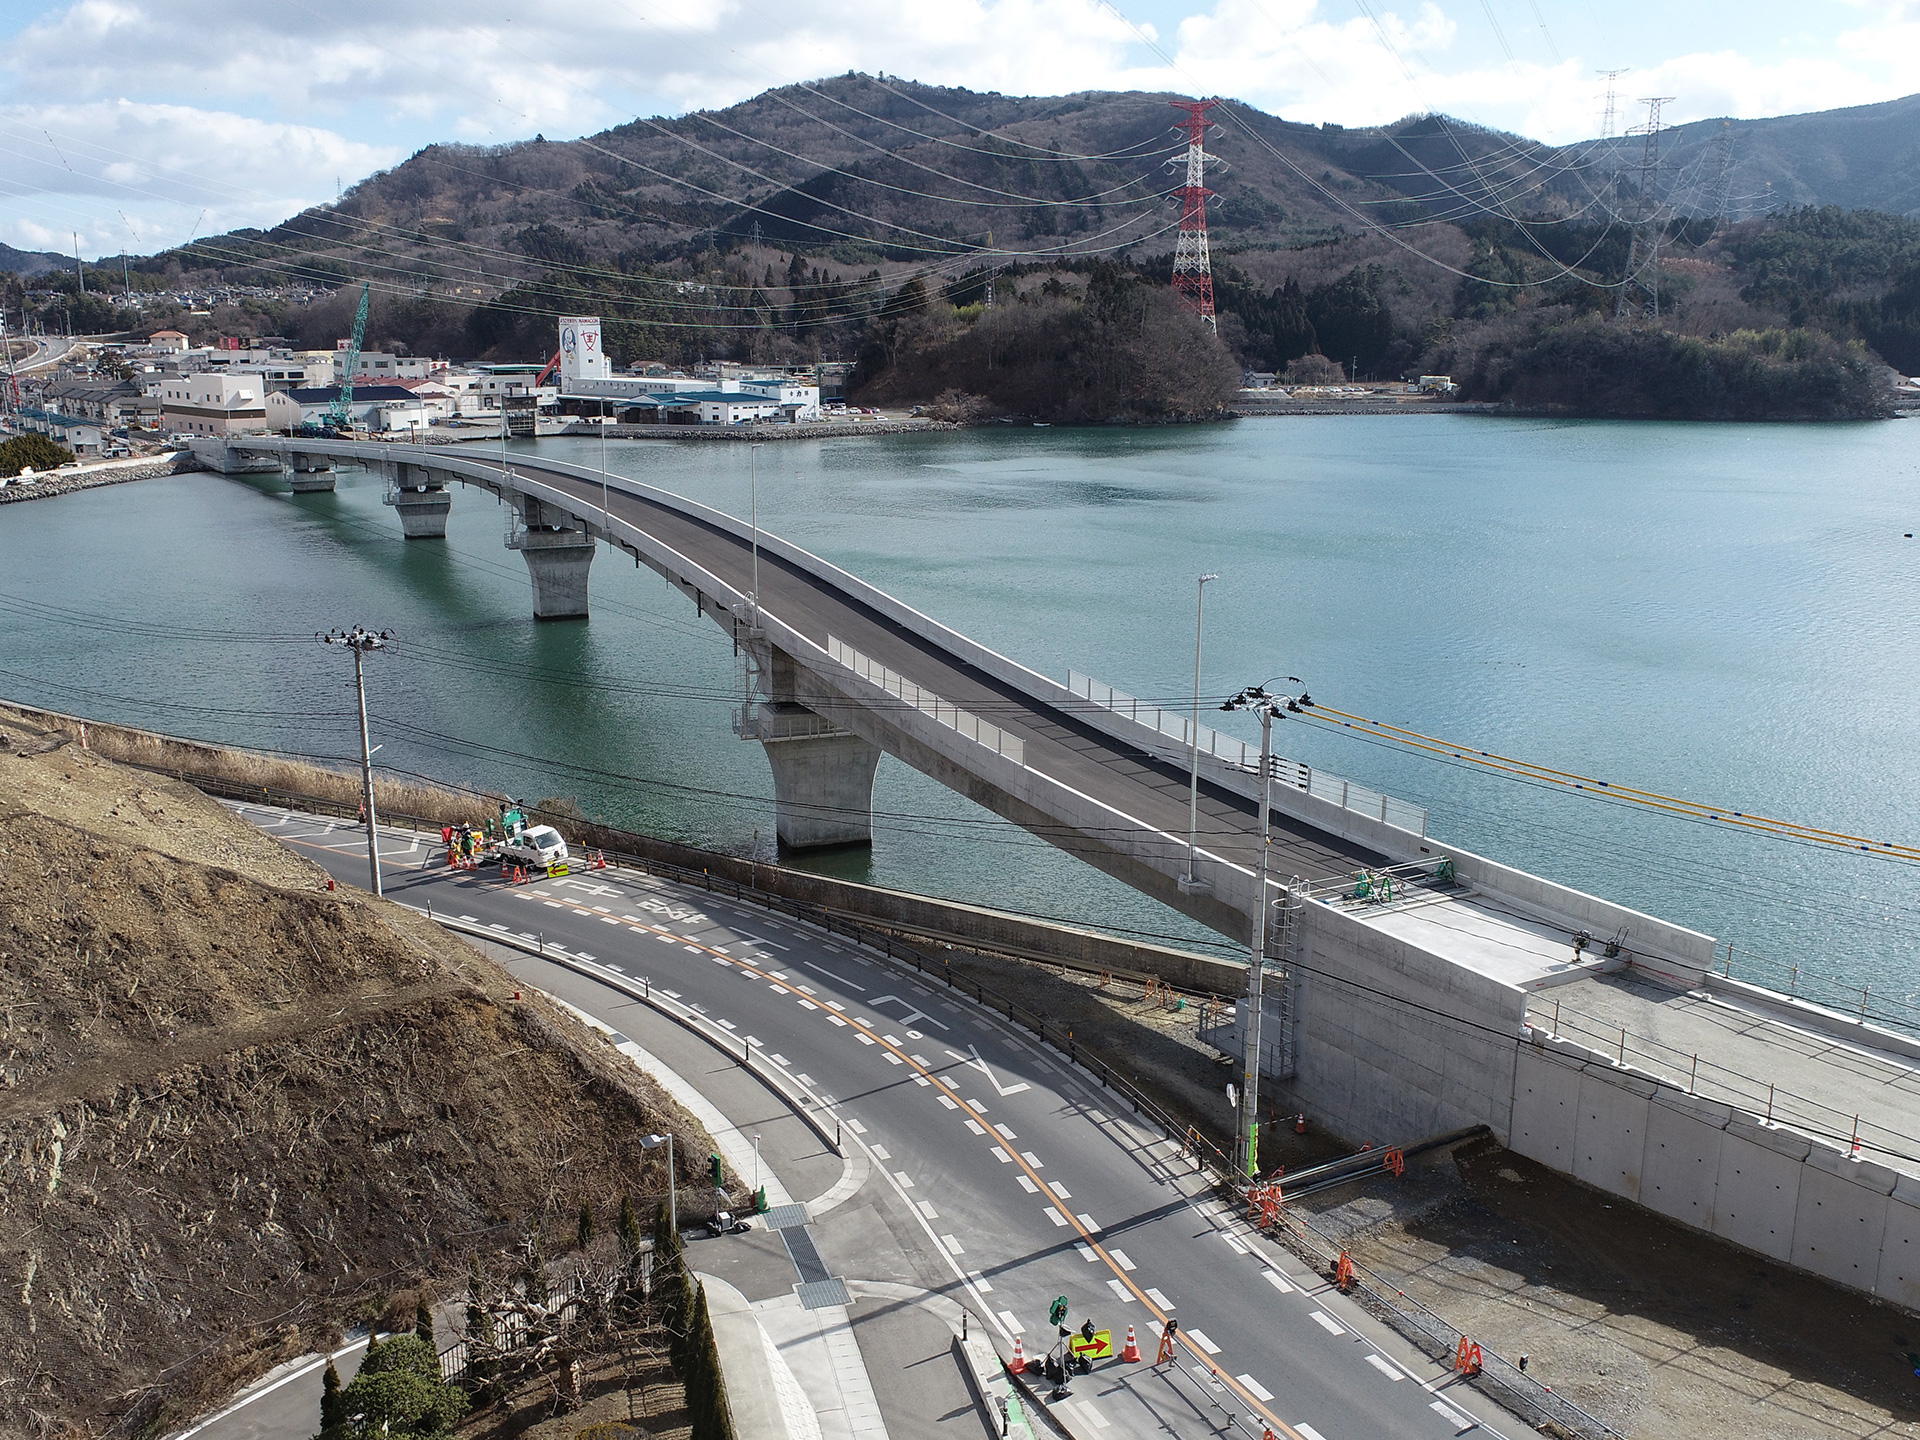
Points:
x=539, y=845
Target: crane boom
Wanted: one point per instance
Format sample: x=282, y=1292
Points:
x=340, y=413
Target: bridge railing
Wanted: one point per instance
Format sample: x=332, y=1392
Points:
x=972, y=727
x=1239, y=755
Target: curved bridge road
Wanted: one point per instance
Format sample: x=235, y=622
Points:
x=980, y=1165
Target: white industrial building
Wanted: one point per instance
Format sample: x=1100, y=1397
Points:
x=214, y=403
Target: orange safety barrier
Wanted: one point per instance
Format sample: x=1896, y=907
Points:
x=1263, y=1203
x=1131, y=1355
x=1343, y=1270
x=1019, y=1361
x=1165, y=1352
x=1395, y=1163
x=1467, y=1358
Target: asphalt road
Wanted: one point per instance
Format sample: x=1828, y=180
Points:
x=995, y=1174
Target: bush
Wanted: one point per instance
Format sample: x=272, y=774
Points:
x=399, y=1394
x=31, y=452
x=1314, y=369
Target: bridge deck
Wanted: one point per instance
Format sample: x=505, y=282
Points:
x=1813, y=1080
x=1058, y=743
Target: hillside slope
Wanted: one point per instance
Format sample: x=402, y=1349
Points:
x=236, y=1109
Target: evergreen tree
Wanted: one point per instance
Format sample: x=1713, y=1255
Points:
x=333, y=1409
x=423, y=1312
x=630, y=1239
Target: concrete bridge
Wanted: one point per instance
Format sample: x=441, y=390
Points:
x=1452, y=994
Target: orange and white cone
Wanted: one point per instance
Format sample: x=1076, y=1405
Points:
x=1019, y=1361
x=1131, y=1355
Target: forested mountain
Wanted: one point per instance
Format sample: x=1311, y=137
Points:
x=32, y=262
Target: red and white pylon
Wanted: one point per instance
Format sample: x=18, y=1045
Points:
x=1192, y=269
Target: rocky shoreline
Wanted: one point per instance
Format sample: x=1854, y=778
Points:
x=58, y=482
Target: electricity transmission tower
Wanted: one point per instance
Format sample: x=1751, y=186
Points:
x=1723, y=168
x=1639, y=292
x=1192, y=269
x=1613, y=110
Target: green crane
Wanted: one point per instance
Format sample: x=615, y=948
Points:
x=339, y=414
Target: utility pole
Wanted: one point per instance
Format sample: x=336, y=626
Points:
x=78, y=268
x=1247, y=1135
x=1192, y=882
x=753, y=510
x=361, y=641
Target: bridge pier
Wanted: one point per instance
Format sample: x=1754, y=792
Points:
x=822, y=789
x=311, y=474
x=558, y=555
x=419, y=496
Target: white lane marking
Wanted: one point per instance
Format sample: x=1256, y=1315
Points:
x=1055, y=1216
x=727, y=1023
x=668, y=938
x=1447, y=1413
x=974, y=1126
x=835, y=1019
x=977, y=1063
x=1254, y=1387
x=1325, y=1322
x=1086, y=1252
x=1012, y=1322
x=891, y=1039
x=1059, y=1189
x=891, y=1058
x=861, y=1035
x=855, y=1126
x=1307, y=1431
x=1383, y=1367
x=1199, y=1337
x=1237, y=1247
x=921, y=1080
x=1121, y=1293
x=1162, y=1301
x=1002, y=1156
x=946, y=1102
x=1027, y=1185
x=1278, y=1281
x=1088, y=1221
x=880, y=1152
x=808, y=1005
x=803, y=1077
x=976, y=1107
x=953, y=1245
x=1121, y=1259
x=1031, y=1158
x=837, y=979
x=1005, y=1133
x=979, y=1282
x=926, y=1209
x=906, y=1180
x=604, y=919
x=553, y=904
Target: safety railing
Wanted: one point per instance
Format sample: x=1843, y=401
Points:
x=1767, y=1101
x=969, y=726
x=755, y=722
x=1858, y=1002
x=1180, y=728
x=1388, y=884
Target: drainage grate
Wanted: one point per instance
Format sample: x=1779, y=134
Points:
x=779, y=1217
x=806, y=1259
x=819, y=1294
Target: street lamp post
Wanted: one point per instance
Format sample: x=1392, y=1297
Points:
x=1247, y=1135
x=360, y=641
x=1192, y=882
x=654, y=1142
x=753, y=511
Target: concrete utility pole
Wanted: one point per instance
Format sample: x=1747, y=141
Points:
x=1247, y=1137
x=1192, y=882
x=753, y=511
x=360, y=641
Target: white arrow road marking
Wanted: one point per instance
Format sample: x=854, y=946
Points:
x=837, y=979
x=978, y=1064
x=911, y=1015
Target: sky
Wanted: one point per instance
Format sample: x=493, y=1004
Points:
x=137, y=124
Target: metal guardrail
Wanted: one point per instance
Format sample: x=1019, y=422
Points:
x=756, y=722
x=972, y=727
x=1240, y=755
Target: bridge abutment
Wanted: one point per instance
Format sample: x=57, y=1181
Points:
x=558, y=556
x=419, y=497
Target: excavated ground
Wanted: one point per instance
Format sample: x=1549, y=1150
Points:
x=237, y=1108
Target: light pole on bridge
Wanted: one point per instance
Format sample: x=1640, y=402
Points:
x=1192, y=882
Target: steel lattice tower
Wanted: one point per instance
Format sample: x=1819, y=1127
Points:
x=1192, y=270
x=1643, y=258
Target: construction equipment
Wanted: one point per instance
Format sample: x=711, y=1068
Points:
x=339, y=417
x=546, y=372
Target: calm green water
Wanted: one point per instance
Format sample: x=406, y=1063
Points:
x=1726, y=613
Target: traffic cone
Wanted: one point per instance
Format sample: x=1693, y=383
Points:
x=1019, y=1362
x=1131, y=1355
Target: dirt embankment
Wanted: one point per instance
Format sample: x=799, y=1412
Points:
x=237, y=1108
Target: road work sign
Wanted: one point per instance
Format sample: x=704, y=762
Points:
x=1100, y=1347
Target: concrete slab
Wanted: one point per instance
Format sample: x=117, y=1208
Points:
x=1899, y=1277
x=1479, y=933
x=1610, y=1131
x=1546, y=1109
x=1838, y=1226
x=1681, y=1165
x=1758, y=1188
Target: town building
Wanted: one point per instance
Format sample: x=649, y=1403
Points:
x=215, y=403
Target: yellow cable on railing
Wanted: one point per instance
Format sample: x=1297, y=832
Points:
x=1570, y=780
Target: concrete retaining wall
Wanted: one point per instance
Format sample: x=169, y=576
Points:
x=1793, y=1198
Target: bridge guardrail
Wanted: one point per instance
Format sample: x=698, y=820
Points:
x=982, y=732
x=1239, y=755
